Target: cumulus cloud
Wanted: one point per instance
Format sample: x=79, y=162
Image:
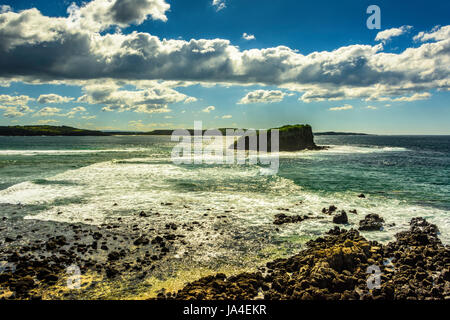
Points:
x=209, y=109
x=344, y=107
x=53, y=98
x=47, y=112
x=14, y=100
x=247, y=36
x=150, y=100
x=139, y=125
x=414, y=97
x=59, y=50
x=15, y=111
x=219, y=4
x=437, y=34
x=99, y=15
x=263, y=96
x=387, y=34
x=5, y=8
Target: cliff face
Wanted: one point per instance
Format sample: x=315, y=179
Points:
x=291, y=138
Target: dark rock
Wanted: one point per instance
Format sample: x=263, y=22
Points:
x=141, y=241
x=291, y=138
x=282, y=218
x=371, y=222
x=143, y=214
x=341, y=218
x=97, y=235
x=114, y=256
x=361, y=195
x=330, y=210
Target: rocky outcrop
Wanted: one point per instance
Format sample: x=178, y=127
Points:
x=371, y=222
x=339, y=266
x=341, y=218
x=291, y=138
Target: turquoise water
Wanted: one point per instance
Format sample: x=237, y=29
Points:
x=78, y=179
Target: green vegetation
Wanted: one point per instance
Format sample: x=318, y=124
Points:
x=292, y=126
x=44, y=130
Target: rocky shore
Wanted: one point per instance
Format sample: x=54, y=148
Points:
x=342, y=265
x=117, y=258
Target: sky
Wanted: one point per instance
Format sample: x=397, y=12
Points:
x=162, y=64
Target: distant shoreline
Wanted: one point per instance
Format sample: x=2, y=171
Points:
x=45, y=130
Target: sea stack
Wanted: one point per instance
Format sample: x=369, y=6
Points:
x=291, y=138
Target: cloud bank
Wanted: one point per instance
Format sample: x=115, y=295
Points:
x=38, y=48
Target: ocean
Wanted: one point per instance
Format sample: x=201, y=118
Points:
x=95, y=180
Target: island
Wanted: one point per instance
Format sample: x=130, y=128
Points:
x=291, y=138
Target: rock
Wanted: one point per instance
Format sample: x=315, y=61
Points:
x=111, y=272
x=353, y=211
x=361, y=195
x=371, y=222
x=56, y=242
x=282, y=218
x=143, y=214
x=141, y=241
x=291, y=138
x=341, y=218
x=97, y=235
x=330, y=210
x=114, y=256
x=171, y=225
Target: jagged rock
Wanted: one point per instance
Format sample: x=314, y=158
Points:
x=141, y=241
x=282, y=218
x=330, y=210
x=341, y=218
x=335, y=266
x=371, y=222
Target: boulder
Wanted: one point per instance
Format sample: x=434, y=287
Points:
x=372, y=222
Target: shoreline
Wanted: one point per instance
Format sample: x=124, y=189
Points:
x=119, y=260
x=342, y=265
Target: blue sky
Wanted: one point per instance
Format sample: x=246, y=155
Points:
x=310, y=62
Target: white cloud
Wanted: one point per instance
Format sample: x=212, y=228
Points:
x=5, y=8
x=219, y=4
x=150, y=100
x=372, y=107
x=190, y=100
x=437, y=34
x=263, y=96
x=247, y=36
x=227, y=116
x=139, y=125
x=53, y=98
x=15, y=111
x=14, y=100
x=47, y=112
x=98, y=15
x=344, y=107
x=387, y=34
x=64, y=53
x=209, y=109
x=414, y=97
